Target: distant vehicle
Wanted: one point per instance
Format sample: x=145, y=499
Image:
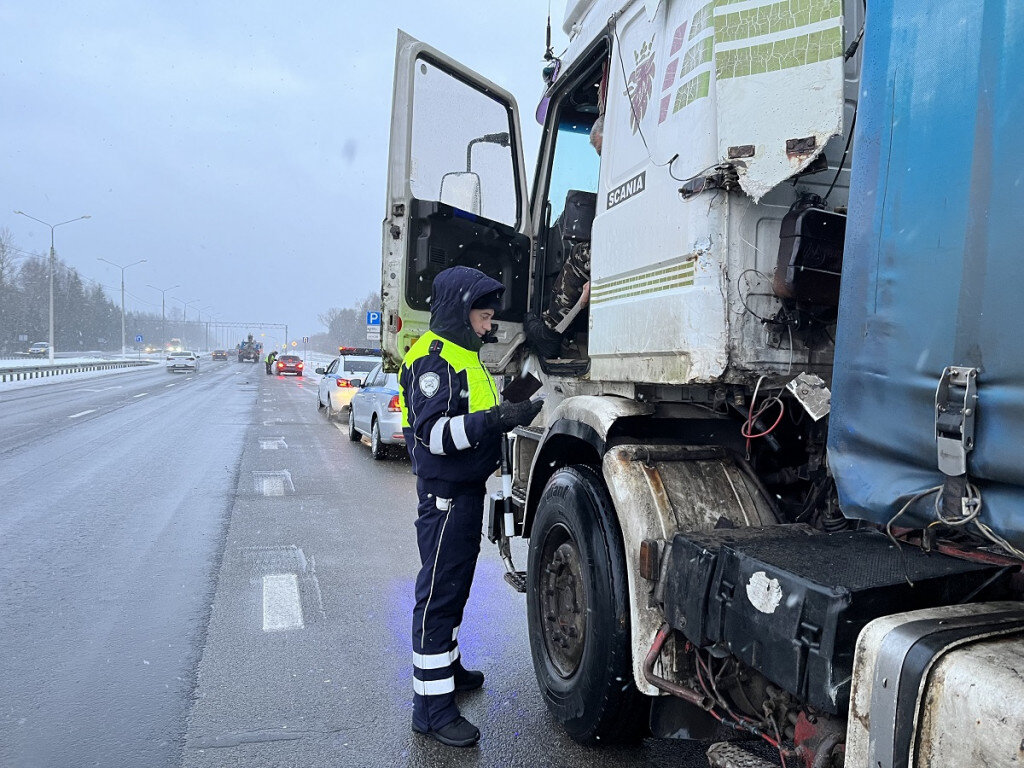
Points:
x=250, y=350
x=39, y=348
x=183, y=361
x=342, y=377
x=219, y=354
x=289, y=364
x=174, y=345
x=376, y=413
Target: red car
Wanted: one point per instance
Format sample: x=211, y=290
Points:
x=289, y=364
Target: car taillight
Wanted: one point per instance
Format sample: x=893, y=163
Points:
x=343, y=383
x=300, y=365
x=393, y=405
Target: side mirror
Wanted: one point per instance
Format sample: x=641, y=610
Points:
x=356, y=382
x=321, y=371
x=461, y=189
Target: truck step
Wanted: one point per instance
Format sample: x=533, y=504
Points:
x=516, y=580
x=725, y=754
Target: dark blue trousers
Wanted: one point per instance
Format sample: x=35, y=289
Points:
x=448, y=532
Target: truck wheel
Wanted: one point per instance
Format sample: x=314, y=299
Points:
x=578, y=611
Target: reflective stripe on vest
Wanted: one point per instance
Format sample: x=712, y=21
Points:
x=483, y=392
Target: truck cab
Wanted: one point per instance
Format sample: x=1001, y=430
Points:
x=716, y=508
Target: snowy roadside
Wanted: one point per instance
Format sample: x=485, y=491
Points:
x=33, y=362
x=8, y=386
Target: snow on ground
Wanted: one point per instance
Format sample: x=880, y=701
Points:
x=7, y=386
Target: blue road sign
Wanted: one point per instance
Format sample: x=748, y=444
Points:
x=373, y=318
x=138, y=339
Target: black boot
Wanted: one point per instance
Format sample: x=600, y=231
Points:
x=458, y=733
x=544, y=341
x=467, y=679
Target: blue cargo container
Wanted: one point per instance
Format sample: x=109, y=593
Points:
x=933, y=269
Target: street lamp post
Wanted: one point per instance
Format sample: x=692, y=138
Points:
x=53, y=262
x=205, y=327
x=163, y=309
x=122, y=268
x=184, y=317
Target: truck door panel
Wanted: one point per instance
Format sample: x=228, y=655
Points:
x=456, y=195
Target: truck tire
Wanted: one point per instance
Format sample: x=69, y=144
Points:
x=578, y=611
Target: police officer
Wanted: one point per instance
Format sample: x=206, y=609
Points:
x=270, y=360
x=453, y=426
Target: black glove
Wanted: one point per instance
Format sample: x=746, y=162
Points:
x=511, y=415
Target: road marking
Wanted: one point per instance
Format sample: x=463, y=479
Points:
x=168, y=385
x=277, y=483
x=141, y=394
x=83, y=413
x=274, y=444
x=282, y=606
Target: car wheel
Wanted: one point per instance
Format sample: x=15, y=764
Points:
x=377, y=449
x=353, y=433
x=299, y=375
x=330, y=408
x=319, y=402
x=578, y=611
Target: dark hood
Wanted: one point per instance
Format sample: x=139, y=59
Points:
x=454, y=291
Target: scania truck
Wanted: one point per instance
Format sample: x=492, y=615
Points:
x=776, y=493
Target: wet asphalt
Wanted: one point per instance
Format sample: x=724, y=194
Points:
x=137, y=542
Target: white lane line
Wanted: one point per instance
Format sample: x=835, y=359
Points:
x=83, y=413
x=282, y=606
x=273, y=444
x=141, y=394
x=168, y=385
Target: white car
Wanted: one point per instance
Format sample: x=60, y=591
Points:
x=183, y=361
x=342, y=378
x=39, y=348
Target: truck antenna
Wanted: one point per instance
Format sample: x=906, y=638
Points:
x=548, y=53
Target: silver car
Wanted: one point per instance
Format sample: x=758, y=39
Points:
x=376, y=412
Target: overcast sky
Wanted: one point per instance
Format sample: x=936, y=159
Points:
x=239, y=147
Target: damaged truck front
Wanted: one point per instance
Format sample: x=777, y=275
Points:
x=784, y=505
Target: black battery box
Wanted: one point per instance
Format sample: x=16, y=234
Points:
x=790, y=603
x=692, y=575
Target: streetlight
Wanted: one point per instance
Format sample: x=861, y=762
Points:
x=184, y=317
x=122, y=268
x=163, y=309
x=199, y=312
x=53, y=259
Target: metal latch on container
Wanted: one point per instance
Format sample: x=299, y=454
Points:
x=956, y=405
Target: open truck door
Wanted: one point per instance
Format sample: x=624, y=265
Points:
x=456, y=196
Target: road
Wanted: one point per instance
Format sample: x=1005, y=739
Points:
x=202, y=571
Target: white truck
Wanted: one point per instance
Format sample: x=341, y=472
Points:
x=776, y=504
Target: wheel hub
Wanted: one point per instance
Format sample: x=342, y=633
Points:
x=563, y=604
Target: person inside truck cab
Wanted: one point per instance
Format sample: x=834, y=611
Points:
x=572, y=286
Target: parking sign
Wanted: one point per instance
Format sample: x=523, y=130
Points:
x=373, y=318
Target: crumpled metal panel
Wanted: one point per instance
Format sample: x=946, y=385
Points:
x=933, y=269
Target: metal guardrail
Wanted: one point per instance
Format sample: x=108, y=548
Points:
x=22, y=373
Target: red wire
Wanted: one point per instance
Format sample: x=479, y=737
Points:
x=745, y=429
